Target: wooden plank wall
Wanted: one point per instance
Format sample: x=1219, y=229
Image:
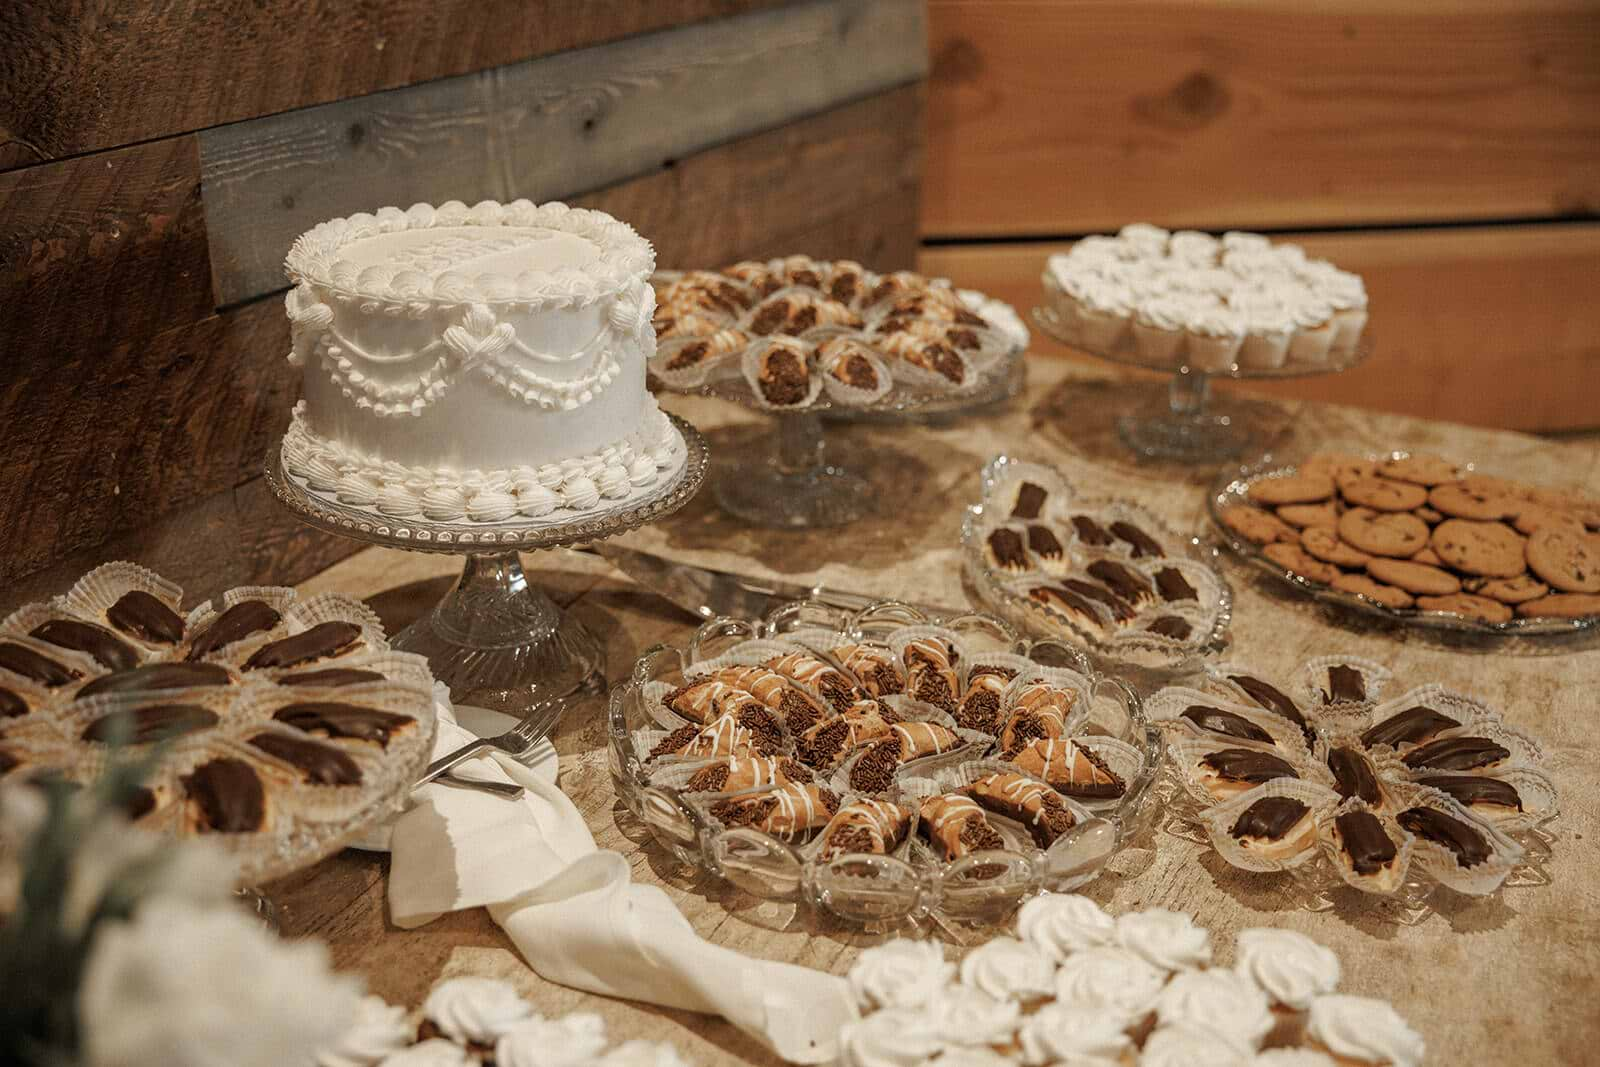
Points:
x=1448, y=149
x=139, y=312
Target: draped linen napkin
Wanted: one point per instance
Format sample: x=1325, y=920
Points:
x=574, y=914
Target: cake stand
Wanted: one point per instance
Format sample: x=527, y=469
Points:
x=1186, y=428
x=791, y=482
x=497, y=640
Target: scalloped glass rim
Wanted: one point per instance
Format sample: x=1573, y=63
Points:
x=692, y=838
x=421, y=535
x=1022, y=614
x=1229, y=489
x=1048, y=319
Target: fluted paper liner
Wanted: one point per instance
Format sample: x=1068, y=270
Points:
x=1534, y=789
x=848, y=395
x=1524, y=751
x=1478, y=880
x=1187, y=753
x=1166, y=709
x=94, y=594
x=1387, y=880
x=750, y=367
x=200, y=619
x=1218, y=823
x=275, y=785
x=305, y=613
x=1309, y=690
x=1464, y=709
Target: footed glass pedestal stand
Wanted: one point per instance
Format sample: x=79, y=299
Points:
x=495, y=639
x=790, y=482
x=1187, y=428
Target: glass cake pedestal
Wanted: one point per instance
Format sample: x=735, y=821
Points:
x=497, y=640
x=791, y=482
x=1187, y=427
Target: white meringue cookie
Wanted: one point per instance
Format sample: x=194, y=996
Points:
x=1008, y=969
x=1059, y=1032
x=900, y=974
x=572, y=1041
x=1289, y=967
x=897, y=1037
x=1167, y=939
x=1113, y=980
x=1187, y=1045
x=1062, y=923
x=378, y=1030
x=1364, y=1030
x=475, y=1009
x=1224, y=1001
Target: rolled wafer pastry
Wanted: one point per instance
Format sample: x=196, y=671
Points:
x=874, y=771
x=831, y=739
x=703, y=700
x=799, y=709
x=876, y=667
x=980, y=707
x=1040, y=710
x=1032, y=803
x=868, y=826
x=789, y=814
x=930, y=672
x=1070, y=769
x=735, y=774
x=825, y=682
x=751, y=729
x=954, y=825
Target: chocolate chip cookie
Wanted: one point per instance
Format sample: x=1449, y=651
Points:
x=1518, y=590
x=1490, y=549
x=1420, y=468
x=1562, y=606
x=1294, y=559
x=1383, y=533
x=1389, y=596
x=1253, y=524
x=1384, y=494
x=1416, y=578
x=1324, y=543
x=1568, y=560
x=1461, y=501
x=1297, y=488
x=1306, y=515
x=1473, y=607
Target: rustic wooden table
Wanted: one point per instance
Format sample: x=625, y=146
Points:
x=1512, y=977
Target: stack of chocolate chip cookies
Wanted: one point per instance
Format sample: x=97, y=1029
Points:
x=1416, y=532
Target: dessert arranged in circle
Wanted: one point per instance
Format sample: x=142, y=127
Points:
x=1104, y=570
x=914, y=743
x=804, y=332
x=1216, y=304
x=1415, y=534
x=286, y=719
x=1387, y=793
x=1077, y=986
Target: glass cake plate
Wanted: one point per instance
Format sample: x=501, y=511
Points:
x=1203, y=604
x=495, y=639
x=211, y=712
x=793, y=483
x=910, y=880
x=1231, y=489
x=1364, y=748
x=1186, y=428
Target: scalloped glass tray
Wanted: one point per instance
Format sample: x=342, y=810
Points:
x=1516, y=838
x=996, y=363
x=1230, y=489
x=304, y=822
x=1126, y=645
x=910, y=883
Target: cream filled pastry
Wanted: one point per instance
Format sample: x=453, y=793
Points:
x=1070, y=768
x=789, y=814
x=874, y=665
x=865, y=826
x=817, y=678
x=930, y=672
x=954, y=825
x=875, y=769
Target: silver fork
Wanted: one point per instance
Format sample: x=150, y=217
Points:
x=516, y=742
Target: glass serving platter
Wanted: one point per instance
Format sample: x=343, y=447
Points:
x=114, y=667
x=908, y=881
x=1126, y=642
x=1360, y=745
x=1231, y=488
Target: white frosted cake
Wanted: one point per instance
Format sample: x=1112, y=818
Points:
x=476, y=364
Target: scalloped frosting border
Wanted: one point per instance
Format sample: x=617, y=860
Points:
x=625, y=259
x=644, y=458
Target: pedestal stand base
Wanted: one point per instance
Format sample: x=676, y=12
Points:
x=791, y=485
x=500, y=643
x=1198, y=438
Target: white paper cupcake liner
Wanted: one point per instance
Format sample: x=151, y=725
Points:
x=84, y=665
x=94, y=594
x=1386, y=881
x=848, y=395
x=398, y=668
x=1219, y=677
x=1465, y=710
x=1319, y=768
x=280, y=598
x=1218, y=822
x=1311, y=691
x=305, y=613
x=275, y=784
x=1441, y=863
x=1001, y=499
x=1166, y=709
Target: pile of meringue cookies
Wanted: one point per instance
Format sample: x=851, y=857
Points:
x=1189, y=299
x=1077, y=988
x=483, y=1022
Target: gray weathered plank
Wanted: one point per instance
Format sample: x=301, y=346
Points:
x=544, y=129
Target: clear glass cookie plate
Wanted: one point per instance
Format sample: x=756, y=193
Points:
x=1364, y=747
x=1125, y=642
x=1231, y=489
x=909, y=881
x=225, y=698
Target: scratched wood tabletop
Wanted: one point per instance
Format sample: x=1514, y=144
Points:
x=1484, y=980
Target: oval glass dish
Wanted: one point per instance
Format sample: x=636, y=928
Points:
x=1101, y=573
x=1344, y=777
x=884, y=764
x=1233, y=511
x=290, y=725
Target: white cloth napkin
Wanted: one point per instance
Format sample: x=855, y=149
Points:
x=573, y=913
